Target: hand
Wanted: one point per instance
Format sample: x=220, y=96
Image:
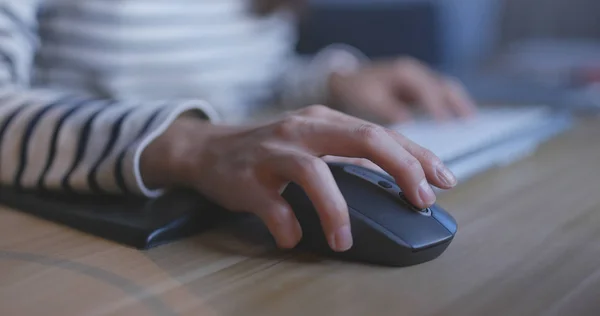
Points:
x=245, y=169
x=382, y=92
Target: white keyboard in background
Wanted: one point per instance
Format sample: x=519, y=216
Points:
x=496, y=136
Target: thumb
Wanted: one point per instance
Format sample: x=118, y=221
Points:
x=279, y=218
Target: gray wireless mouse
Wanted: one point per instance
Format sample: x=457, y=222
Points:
x=387, y=229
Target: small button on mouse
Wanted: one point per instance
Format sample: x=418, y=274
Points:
x=385, y=184
x=387, y=229
x=426, y=211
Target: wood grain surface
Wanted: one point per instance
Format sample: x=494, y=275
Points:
x=528, y=244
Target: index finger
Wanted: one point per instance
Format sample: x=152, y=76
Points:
x=314, y=176
x=372, y=142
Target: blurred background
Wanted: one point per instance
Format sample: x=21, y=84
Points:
x=505, y=51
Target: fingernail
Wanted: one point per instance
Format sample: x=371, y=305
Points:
x=342, y=239
x=426, y=193
x=446, y=176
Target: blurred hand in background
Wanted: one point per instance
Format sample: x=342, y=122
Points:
x=391, y=91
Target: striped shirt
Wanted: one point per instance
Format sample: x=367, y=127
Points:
x=86, y=85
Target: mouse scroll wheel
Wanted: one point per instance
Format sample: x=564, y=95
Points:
x=426, y=211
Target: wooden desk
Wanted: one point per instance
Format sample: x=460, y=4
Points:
x=528, y=244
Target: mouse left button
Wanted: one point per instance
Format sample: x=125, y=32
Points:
x=444, y=218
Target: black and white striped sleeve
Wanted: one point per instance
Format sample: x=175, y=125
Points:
x=53, y=140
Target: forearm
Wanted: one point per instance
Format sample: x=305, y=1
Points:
x=77, y=143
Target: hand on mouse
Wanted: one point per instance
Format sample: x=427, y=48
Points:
x=382, y=92
x=245, y=169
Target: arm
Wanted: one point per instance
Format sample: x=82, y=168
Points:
x=245, y=168
x=77, y=143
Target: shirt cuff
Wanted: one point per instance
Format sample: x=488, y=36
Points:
x=159, y=127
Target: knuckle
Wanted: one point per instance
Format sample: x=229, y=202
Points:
x=393, y=133
x=288, y=127
x=412, y=165
x=263, y=149
x=316, y=110
x=370, y=133
x=428, y=156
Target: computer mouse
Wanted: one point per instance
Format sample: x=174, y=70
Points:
x=387, y=229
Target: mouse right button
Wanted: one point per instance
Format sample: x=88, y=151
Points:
x=444, y=218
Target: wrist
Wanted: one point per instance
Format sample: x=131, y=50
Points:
x=171, y=159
